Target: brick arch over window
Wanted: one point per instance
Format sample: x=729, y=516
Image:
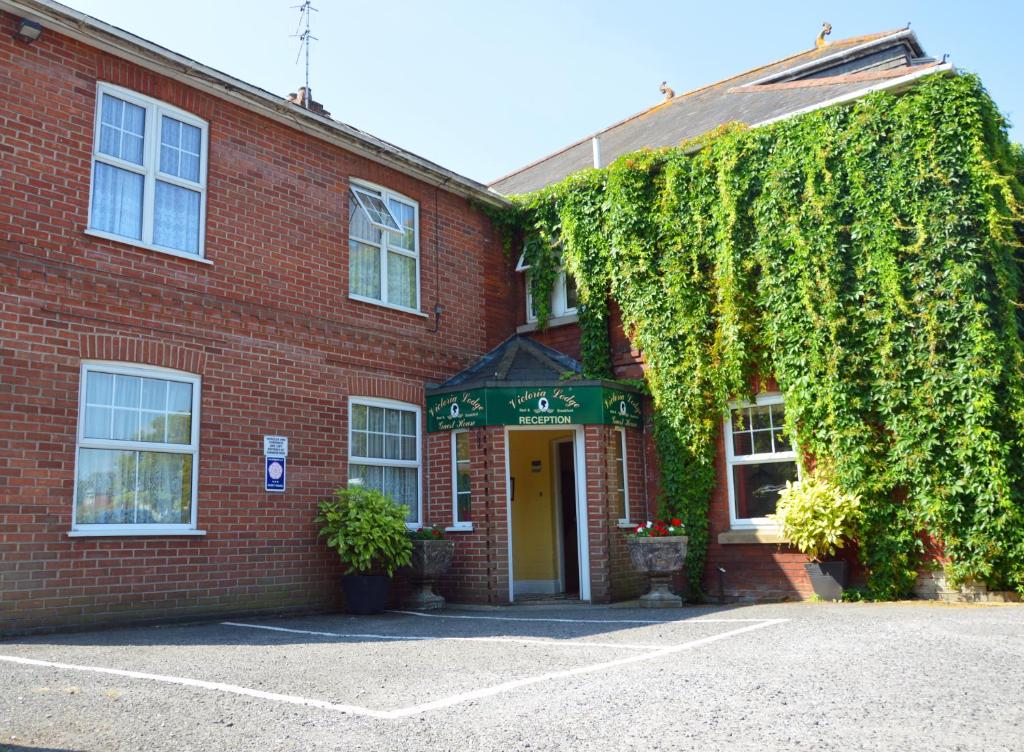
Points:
x=123, y=73
x=142, y=351
x=385, y=388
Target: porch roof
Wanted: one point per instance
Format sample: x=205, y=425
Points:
x=518, y=361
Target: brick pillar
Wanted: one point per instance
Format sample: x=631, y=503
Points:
x=595, y=441
x=496, y=513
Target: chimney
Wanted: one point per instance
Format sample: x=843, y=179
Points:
x=304, y=98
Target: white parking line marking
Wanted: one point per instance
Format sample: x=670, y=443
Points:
x=218, y=686
x=477, y=694
x=575, y=643
x=444, y=702
x=585, y=621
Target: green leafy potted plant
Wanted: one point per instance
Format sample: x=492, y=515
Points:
x=367, y=530
x=817, y=518
x=431, y=557
x=658, y=549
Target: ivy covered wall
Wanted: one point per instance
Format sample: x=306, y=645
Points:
x=868, y=257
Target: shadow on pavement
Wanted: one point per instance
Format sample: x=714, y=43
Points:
x=557, y=623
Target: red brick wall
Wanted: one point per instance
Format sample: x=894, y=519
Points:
x=479, y=567
x=611, y=573
x=757, y=571
x=268, y=325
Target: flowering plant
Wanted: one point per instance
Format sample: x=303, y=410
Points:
x=427, y=533
x=660, y=529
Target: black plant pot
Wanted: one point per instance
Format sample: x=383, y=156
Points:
x=366, y=593
x=828, y=578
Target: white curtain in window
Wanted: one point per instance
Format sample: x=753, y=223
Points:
x=176, y=218
x=164, y=488
x=400, y=485
x=106, y=486
x=407, y=217
x=364, y=272
x=401, y=280
x=117, y=201
x=127, y=487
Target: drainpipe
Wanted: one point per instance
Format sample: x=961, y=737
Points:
x=595, y=142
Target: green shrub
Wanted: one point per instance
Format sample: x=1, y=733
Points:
x=367, y=529
x=817, y=517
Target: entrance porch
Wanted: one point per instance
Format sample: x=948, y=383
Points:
x=537, y=476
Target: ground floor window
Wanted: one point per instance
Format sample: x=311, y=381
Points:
x=138, y=450
x=461, y=495
x=621, y=491
x=384, y=450
x=760, y=460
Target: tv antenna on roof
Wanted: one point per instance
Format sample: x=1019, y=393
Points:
x=305, y=41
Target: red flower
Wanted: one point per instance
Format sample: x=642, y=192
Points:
x=676, y=522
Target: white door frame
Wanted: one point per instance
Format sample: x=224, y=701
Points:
x=582, y=526
x=556, y=464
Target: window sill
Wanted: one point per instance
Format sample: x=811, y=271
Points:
x=627, y=525
x=532, y=326
x=146, y=246
x=462, y=527
x=382, y=304
x=161, y=532
x=762, y=535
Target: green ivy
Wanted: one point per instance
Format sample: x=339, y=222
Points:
x=867, y=256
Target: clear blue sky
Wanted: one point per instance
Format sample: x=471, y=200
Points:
x=484, y=87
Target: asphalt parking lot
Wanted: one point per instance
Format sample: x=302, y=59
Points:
x=789, y=676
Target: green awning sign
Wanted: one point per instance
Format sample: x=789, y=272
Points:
x=533, y=406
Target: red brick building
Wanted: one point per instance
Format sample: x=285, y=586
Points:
x=189, y=264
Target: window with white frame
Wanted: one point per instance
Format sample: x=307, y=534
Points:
x=621, y=497
x=148, y=172
x=384, y=450
x=760, y=460
x=564, y=294
x=461, y=495
x=138, y=450
x=383, y=247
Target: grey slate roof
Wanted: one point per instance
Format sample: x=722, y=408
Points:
x=788, y=86
x=517, y=361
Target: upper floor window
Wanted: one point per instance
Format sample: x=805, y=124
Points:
x=384, y=247
x=138, y=451
x=760, y=460
x=384, y=450
x=564, y=295
x=148, y=173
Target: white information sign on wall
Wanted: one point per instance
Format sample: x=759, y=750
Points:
x=275, y=446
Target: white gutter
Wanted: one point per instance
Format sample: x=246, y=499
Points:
x=893, y=84
x=95, y=33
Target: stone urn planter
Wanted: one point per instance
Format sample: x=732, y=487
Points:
x=659, y=558
x=430, y=560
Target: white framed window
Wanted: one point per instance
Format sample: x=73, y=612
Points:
x=384, y=450
x=137, y=464
x=564, y=295
x=621, y=498
x=148, y=173
x=384, y=247
x=462, y=518
x=759, y=460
